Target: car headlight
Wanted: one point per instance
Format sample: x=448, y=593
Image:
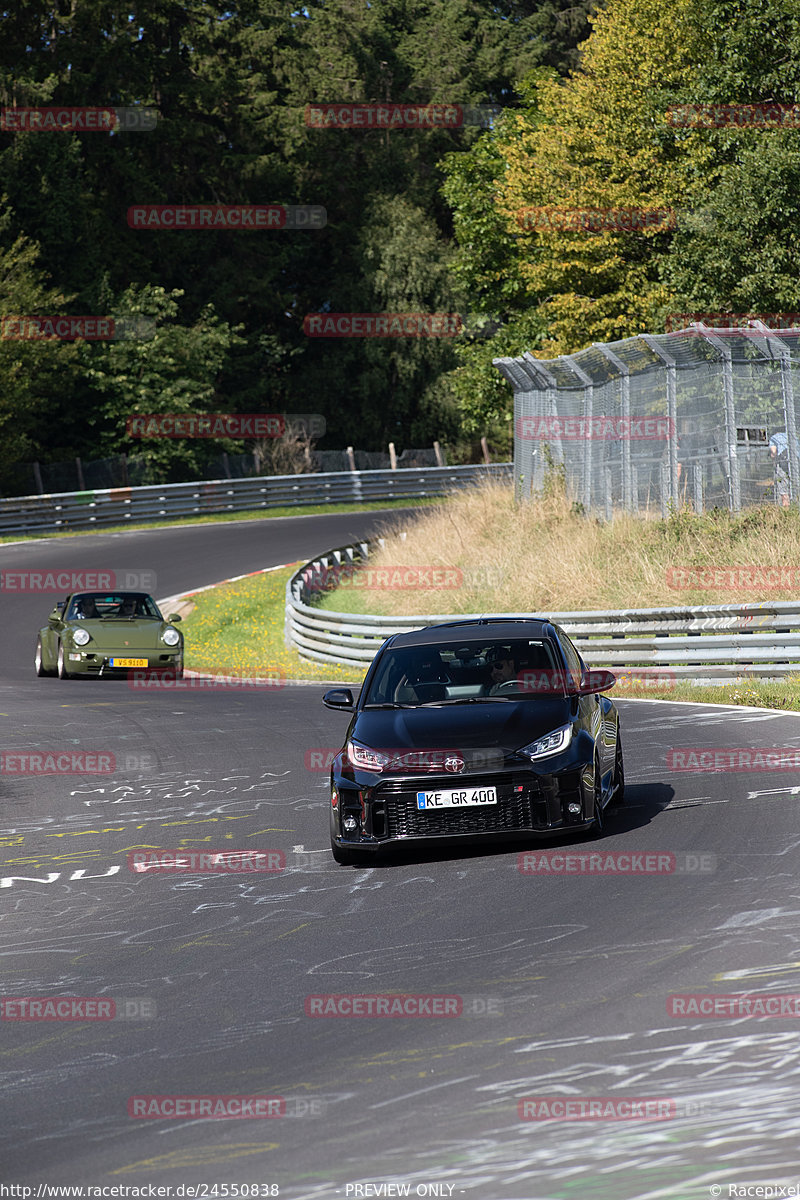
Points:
x=80, y=636
x=171, y=636
x=366, y=759
x=551, y=743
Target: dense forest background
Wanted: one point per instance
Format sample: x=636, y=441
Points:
x=231, y=82
x=417, y=220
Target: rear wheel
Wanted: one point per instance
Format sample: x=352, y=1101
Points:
x=63, y=673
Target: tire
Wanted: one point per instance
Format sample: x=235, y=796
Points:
x=595, y=830
x=346, y=858
x=41, y=670
x=618, y=798
x=63, y=673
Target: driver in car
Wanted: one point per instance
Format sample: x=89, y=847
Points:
x=502, y=670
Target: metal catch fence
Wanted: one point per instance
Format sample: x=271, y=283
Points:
x=702, y=417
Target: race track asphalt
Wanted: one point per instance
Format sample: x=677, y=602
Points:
x=563, y=980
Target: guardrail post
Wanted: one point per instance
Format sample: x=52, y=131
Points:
x=437, y=450
x=79, y=471
x=392, y=457
x=351, y=457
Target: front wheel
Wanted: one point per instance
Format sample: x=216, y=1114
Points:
x=595, y=830
x=346, y=858
x=618, y=797
x=63, y=673
x=39, y=660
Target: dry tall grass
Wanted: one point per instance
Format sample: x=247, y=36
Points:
x=542, y=556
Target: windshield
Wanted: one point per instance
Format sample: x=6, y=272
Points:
x=459, y=672
x=91, y=606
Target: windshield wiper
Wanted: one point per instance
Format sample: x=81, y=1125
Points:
x=468, y=700
x=391, y=704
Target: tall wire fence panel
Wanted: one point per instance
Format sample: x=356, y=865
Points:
x=701, y=417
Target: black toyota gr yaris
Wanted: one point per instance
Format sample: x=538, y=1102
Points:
x=489, y=728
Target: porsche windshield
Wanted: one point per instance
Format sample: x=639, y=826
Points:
x=459, y=672
x=93, y=606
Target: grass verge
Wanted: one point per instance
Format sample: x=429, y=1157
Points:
x=237, y=629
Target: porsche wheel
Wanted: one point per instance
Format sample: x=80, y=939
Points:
x=39, y=660
x=63, y=673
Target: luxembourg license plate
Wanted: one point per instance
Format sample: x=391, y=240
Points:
x=457, y=797
x=127, y=662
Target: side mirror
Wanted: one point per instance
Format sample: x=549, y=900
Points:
x=596, y=681
x=339, y=698
x=173, y=618
x=58, y=611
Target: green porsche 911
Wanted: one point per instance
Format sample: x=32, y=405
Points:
x=108, y=633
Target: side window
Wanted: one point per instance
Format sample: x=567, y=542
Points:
x=572, y=657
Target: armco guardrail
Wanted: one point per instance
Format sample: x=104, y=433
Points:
x=718, y=643
x=118, y=506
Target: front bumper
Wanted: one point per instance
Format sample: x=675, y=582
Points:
x=95, y=662
x=529, y=802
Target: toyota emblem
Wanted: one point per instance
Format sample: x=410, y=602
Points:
x=454, y=763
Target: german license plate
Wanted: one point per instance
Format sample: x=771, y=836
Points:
x=127, y=662
x=457, y=797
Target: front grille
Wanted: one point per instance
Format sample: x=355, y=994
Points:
x=515, y=811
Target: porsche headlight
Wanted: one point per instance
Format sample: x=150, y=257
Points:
x=551, y=743
x=171, y=636
x=366, y=759
x=80, y=636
